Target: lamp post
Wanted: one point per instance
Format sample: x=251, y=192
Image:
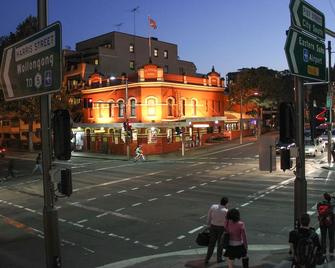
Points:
x=124, y=77
x=241, y=118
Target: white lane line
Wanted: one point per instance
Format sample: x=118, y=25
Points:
x=232, y=175
x=122, y=191
x=119, y=209
x=168, y=180
x=158, y=182
x=203, y=184
x=89, y=250
x=245, y=204
x=147, y=185
x=101, y=215
x=106, y=195
x=179, y=192
x=116, y=181
x=167, y=195
x=192, y=187
x=133, y=189
x=151, y=246
x=30, y=210
x=168, y=244
x=195, y=230
x=82, y=221
x=181, y=237
x=152, y=199
x=136, y=204
x=91, y=199
x=213, y=180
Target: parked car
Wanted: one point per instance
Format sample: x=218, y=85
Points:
x=324, y=136
x=314, y=147
x=2, y=151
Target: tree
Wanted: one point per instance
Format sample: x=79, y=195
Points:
x=25, y=109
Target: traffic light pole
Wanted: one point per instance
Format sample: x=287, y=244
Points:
x=50, y=218
x=300, y=184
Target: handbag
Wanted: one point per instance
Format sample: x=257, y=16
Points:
x=225, y=238
x=203, y=238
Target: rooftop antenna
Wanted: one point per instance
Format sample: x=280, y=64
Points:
x=134, y=10
x=118, y=26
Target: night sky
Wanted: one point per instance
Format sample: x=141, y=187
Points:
x=229, y=34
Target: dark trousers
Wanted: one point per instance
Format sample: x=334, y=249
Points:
x=215, y=233
x=324, y=230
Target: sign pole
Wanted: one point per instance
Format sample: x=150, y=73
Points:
x=330, y=94
x=300, y=184
x=50, y=217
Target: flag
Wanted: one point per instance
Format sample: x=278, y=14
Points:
x=152, y=23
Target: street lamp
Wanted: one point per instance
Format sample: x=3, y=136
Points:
x=241, y=124
x=124, y=77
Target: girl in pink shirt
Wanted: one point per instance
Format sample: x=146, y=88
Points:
x=238, y=244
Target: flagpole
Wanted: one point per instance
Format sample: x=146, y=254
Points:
x=149, y=39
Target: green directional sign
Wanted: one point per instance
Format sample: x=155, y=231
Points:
x=306, y=17
x=306, y=56
x=32, y=67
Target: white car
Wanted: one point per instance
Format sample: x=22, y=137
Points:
x=312, y=148
x=324, y=136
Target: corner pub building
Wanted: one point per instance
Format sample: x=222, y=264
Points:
x=154, y=109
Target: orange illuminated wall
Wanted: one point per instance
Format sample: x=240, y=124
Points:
x=158, y=97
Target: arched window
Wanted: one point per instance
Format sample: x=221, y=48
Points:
x=151, y=104
x=183, y=104
x=111, y=108
x=132, y=107
x=194, y=107
x=121, y=108
x=170, y=107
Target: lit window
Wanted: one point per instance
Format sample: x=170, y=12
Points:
x=194, y=107
x=132, y=65
x=166, y=54
x=131, y=48
x=132, y=107
x=151, y=107
x=110, y=109
x=96, y=61
x=152, y=135
x=121, y=108
x=156, y=52
x=170, y=107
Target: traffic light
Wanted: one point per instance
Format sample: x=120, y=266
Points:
x=62, y=134
x=65, y=184
x=285, y=159
x=89, y=103
x=286, y=123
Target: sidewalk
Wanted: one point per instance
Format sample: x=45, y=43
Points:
x=275, y=256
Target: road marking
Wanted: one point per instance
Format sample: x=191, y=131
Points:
x=158, y=182
x=152, y=199
x=136, y=188
x=91, y=199
x=82, y=221
x=136, y=204
x=119, y=209
x=203, y=184
x=179, y=192
x=101, y=215
x=168, y=244
x=181, y=237
x=192, y=187
x=114, y=182
x=168, y=180
x=195, y=229
x=167, y=195
x=106, y=195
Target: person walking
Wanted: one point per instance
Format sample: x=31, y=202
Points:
x=10, y=169
x=215, y=220
x=238, y=244
x=325, y=211
x=139, y=153
x=333, y=150
x=38, y=165
x=305, y=245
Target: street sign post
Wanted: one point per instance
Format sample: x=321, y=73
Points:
x=32, y=67
x=306, y=56
x=306, y=17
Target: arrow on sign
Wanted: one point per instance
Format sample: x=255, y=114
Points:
x=295, y=12
x=291, y=52
x=6, y=73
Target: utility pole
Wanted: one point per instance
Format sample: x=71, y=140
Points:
x=300, y=184
x=50, y=217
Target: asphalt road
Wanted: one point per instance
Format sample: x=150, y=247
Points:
x=122, y=210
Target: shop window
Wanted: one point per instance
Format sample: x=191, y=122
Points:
x=121, y=108
x=194, y=107
x=151, y=104
x=169, y=135
x=166, y=54
x=156, y=52
x=170, y=107
x=132, y=107
x=152, y=135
